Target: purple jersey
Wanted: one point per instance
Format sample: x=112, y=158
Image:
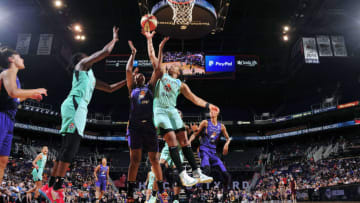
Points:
x=141, y=106
x=102, y=174
x=211, y=136
x=9, y=105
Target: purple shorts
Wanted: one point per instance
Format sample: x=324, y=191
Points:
x=6, y=134
x=101, y=183
x=209, y=158
x=143, y=138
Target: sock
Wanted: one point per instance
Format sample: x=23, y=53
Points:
x=52, y=181
x=131, y=186
x=59, y=183
x=188, y=153
x=175, y=156
x=153, y=193
x=160, y=186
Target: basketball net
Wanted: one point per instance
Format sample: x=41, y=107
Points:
x=182, y=11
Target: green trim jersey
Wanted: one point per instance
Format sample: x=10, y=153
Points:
x=83, y=85
x=37, y=173
x=166, y=92
x=74, y=109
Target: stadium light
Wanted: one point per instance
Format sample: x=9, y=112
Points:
x=77, y=28
x=286, y=28
x=286, y=38
x=58, y=3
x=78, y=37
x=82, y=37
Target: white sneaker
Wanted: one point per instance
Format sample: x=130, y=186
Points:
x=176, y=201
x=201, y=177
x=186, y=180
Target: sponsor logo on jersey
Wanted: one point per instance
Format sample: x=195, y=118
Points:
x=71, y=126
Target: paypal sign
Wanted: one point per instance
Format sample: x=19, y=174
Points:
x=220, y=63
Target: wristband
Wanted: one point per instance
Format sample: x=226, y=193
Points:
x=207, y=105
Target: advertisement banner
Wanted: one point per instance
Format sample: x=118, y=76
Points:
x=324, y=46
x=117, y=63
x=45, y=44
x=340, y=193
x=247, y=61
x=338, y=44
x=310, y=50
x=220, y=63
x=23, y=43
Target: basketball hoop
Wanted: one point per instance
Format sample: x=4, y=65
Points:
x=182, y=11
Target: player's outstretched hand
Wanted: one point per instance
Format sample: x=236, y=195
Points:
x=115, y=33
x=214, y=108
x=38, y=94
x=148, y=35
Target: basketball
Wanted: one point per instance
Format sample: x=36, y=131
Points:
x=148, y=22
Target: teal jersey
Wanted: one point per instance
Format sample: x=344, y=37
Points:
x=74, y=108
x=41, y=162
x=37, y=173
x=166, y=92
x=83, y=85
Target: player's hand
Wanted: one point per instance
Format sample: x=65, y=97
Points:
x=38, y=94
x=194, y=127
x=163, y=42
x=214, y=108
x=115, y=33
x=37, y=167
x=132, y=47
x=96, y=180
x=41, y=91
x=148, y=35
x=37, y=97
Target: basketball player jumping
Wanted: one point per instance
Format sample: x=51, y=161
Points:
x=10, y=96
x=74, y=113
x=208, y=141
x=141, y=129
x=168, y=120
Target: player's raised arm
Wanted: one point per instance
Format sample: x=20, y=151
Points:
x=87, y=62
x=157, y=72
x=130, y=66
x=150, y=47
x=185, y=90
